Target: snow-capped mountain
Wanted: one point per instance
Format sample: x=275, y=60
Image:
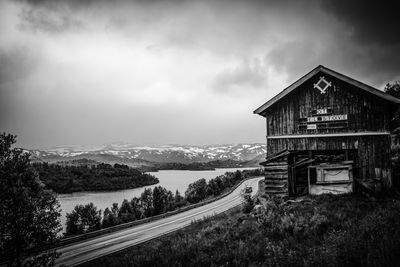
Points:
x=121, y=152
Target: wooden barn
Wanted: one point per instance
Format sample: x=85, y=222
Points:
x=327, y=133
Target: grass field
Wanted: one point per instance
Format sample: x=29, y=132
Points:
x=327, y=230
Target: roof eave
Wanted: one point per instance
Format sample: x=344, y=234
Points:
x=297, y=83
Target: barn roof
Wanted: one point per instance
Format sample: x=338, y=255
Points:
x=338, y=75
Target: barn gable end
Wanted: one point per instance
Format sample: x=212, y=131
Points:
x=330, y=121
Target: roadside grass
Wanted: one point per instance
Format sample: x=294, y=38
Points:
x=326, y=230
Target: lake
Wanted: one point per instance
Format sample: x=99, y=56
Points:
x=170, y=179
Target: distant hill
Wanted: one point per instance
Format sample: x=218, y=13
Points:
x=156, y=157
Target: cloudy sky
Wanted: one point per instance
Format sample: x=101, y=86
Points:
x=175, y=72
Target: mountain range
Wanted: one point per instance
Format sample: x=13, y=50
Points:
x=159, y=157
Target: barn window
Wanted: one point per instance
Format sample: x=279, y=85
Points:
x=333, y=174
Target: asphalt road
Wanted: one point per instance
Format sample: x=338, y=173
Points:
x=86, y=250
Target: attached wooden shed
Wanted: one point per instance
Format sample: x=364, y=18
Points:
x=324, y=131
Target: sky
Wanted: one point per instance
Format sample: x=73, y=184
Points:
x=79, y=72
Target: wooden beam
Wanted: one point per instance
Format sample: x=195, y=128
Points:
x=327, y=135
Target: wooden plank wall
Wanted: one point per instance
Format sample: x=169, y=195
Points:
x=372, y=152
x=366, y=112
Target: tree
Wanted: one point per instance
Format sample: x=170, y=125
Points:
x=213, y=187
x=29, y=214
x=247, y=201
x=196, y=191
x=238, y=176
x=159, y=200
x=393, y=89
x=170, y=201
x=137, y=208
x=126, y=213
x=179, y=199
x=110, y=217
x=146, y=199
x=115, y=208
x=120, y=166
x=82, y=219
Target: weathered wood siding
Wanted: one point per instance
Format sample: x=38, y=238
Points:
x=365, y=111
x=372, y=159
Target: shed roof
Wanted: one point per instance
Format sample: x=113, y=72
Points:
x=338, y=75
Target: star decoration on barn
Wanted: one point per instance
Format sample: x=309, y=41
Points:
x=322, y=85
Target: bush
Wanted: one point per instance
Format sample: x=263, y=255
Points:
x=248, y=202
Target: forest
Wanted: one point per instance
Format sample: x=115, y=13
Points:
x=101, y=177
x=209, y=165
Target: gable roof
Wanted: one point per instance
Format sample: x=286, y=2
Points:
x=338, y=75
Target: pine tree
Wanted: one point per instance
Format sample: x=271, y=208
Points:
x=159, y=200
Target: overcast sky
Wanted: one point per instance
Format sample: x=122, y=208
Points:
x=175, y=72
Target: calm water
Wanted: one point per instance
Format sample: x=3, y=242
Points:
x=170, y=179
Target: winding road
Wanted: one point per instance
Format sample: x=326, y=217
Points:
x=89, y=249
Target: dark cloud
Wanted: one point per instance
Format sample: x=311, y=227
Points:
x=369, y=21
x=295, y=58
x=372, y=64
x=362, y=39
x=50, y=21
x=70, y=3
x=373, y=34
x=85, y=4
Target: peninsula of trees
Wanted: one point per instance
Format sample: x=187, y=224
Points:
x=101, y=177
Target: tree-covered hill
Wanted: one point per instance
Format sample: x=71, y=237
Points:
x=101, y=177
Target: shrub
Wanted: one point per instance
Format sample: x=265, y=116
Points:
x=248, y=202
